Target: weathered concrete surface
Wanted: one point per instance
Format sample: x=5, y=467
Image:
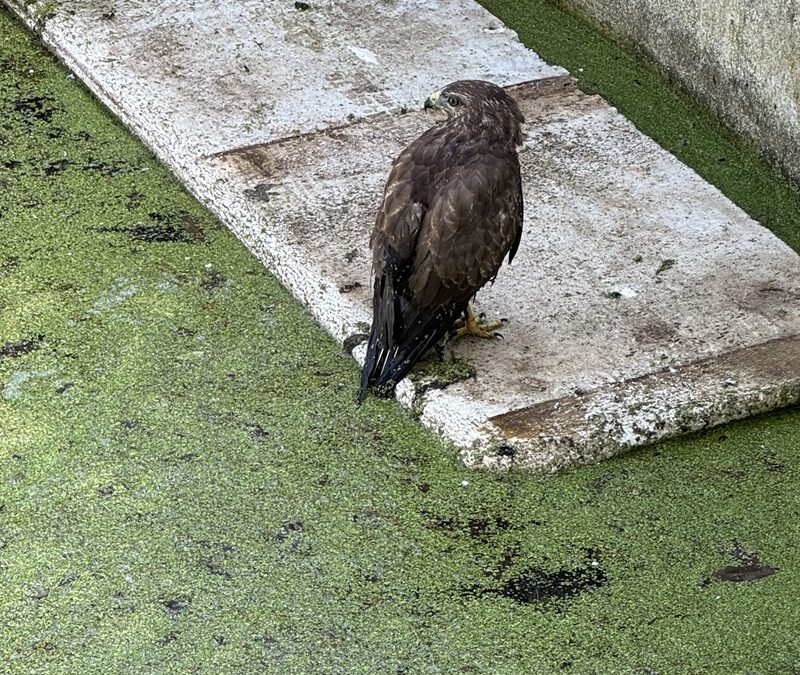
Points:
x=630, y=265
x=740, y=58
x=206, y=76
x=700, y=394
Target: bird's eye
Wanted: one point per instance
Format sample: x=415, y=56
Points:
x=453, y=100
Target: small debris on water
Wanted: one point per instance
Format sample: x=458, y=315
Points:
x=750, y=568
x=178, y=604
x=740, y=573
x=39, y=592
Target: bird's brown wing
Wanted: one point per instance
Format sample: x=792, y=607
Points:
x=393, y=243
x=474, y=220
x=405, y=202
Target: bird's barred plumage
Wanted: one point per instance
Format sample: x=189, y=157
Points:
x=451, y=212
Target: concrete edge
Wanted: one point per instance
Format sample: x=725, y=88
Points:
x=623, y=415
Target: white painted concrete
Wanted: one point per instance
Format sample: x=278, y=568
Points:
x=285, y=123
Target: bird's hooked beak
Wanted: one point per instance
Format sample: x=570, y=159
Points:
x=433, y=102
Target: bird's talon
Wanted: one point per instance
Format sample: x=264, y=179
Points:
x=476, y=326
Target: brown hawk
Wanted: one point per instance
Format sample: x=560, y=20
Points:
x=452, y=210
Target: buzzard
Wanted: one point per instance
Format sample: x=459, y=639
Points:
x=452, y=210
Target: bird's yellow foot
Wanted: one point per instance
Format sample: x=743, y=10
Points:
x=477, y=327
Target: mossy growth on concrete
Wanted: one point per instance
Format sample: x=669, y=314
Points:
x=438, y=371
x=186, y=484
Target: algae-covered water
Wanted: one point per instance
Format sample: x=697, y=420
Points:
x=186, y=485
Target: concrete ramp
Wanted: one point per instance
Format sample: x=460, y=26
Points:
x=642, y=303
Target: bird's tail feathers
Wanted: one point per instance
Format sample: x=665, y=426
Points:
x=398, y=364
x=399, y=338
x=380, y=336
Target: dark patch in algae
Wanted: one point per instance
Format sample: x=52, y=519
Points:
x=287, y=528
x=10, y=264
x=36, y=108
x=212, y=280
x=134, y=199
x=165, y=227
x=484, y=528
x=52, y=168
x=178, y=604
x=106, y=169
x=167, y=639
x=534, y=585
x=12, y=350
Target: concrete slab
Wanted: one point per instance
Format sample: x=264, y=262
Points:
x=631, y=267
x=642, y=303
x=201, y=77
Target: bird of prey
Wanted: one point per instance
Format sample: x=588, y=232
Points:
x=451, y=212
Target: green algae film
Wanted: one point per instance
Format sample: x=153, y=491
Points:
x=186, y=485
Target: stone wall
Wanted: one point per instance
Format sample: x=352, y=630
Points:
x=740, y=57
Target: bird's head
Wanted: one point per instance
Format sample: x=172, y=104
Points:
x=442, y=100
x=477, y=102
